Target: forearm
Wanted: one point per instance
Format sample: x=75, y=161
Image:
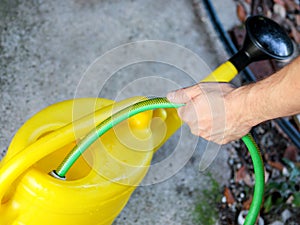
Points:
x=220, y=113
x=273, y=97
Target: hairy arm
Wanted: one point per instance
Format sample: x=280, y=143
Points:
x=220, y=113
x=277, y=95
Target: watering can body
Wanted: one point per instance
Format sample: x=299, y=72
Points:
x=100, y=182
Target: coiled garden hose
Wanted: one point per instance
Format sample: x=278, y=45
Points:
x=156, y=103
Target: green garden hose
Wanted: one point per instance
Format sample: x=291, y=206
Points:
x=156, y=103
x=104, y=126
x=259, y=179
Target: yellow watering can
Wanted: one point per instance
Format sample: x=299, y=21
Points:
x=101, y=181
x=90, y=196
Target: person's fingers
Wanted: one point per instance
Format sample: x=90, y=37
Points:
x=184, y=95
x=188, y=112
x=204, y=111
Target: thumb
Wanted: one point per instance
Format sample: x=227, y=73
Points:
x=184, y=95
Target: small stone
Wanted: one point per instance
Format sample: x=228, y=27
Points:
x=259, y=130
x=230, y=161
x=238, y=165
x=242, y=217
x=290, y=200
x=285, y=215
x=233, y=207
x=267, y=175
x=223, y=200
x=285, y=172
x=242, y=195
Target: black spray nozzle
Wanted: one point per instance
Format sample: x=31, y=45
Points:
x=265, y=39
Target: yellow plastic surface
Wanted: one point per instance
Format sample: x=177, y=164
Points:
x=100, y=182
x=224, y=73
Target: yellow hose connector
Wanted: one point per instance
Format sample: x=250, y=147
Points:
x=224, y=73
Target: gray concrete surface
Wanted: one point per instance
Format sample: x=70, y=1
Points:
x=46, y=47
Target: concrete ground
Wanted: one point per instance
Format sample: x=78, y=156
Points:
x=47, y=46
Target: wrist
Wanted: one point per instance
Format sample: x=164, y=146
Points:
x=245, y=104
x=256, y=104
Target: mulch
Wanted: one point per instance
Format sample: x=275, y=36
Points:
x=281, y=158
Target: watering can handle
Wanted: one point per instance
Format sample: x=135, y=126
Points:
x=14, y=166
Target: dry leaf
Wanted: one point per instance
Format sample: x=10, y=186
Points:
x=295, y=34
x=243, y=175
x=229, y=196
x=241, y=12
x=291, y=5
x=297, y=17
x=291, y=153
x=277, y=165
x=247, y=203
x=240, y=174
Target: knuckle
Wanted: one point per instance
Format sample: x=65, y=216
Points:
x=181, y=113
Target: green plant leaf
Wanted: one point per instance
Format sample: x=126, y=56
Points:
x=268, y=204
x=296, y=200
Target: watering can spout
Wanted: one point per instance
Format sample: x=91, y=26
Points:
x=100, y=182
x=265, y=39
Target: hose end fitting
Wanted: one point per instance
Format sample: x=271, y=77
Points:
x=55, y=175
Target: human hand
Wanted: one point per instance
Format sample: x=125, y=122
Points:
x=214, y=111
